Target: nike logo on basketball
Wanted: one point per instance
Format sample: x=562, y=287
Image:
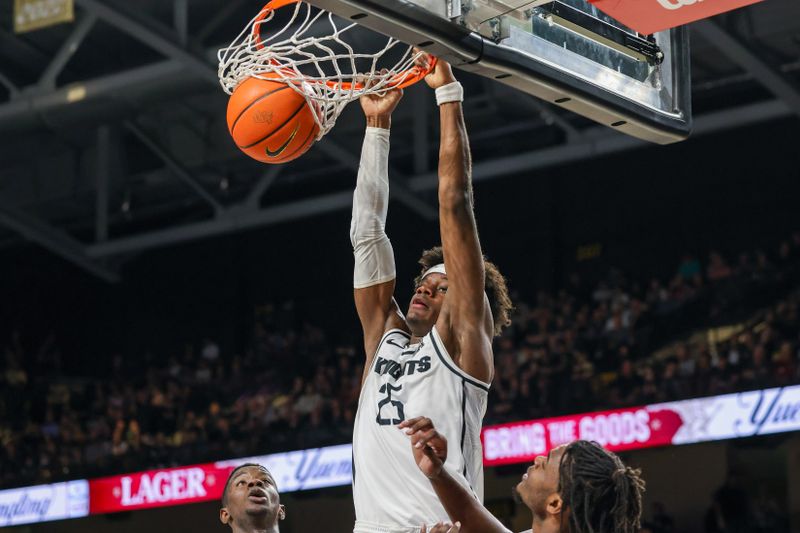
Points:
x=282, y=147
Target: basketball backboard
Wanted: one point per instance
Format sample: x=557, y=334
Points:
x=565, y=52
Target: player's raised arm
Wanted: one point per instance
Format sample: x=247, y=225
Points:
x=430, y=452
x=466, y=323
x=374, y=271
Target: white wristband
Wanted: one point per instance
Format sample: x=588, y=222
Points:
x=452, y=92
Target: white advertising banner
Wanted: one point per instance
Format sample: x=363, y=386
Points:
x=735, y=416
x=314, y=468
x=43, y=503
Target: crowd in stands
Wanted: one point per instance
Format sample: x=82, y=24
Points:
x=568, y=353
x=583, y=348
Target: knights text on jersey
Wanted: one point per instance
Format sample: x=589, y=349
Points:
x=407, y=380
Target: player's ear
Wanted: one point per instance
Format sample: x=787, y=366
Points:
x=282, y=512
x=554, y=504
x=225, y=516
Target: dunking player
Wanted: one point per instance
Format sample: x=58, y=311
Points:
x=576, y=488
x=250, y=501
x=437, y=359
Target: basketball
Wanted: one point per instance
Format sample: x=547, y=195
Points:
x=269, y=121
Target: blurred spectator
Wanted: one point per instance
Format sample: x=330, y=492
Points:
x=689, y=267
x=717, y=269
x=661, y=521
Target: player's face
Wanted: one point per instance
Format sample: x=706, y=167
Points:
x=540, y=481
x=423, y=310
x=252, y=493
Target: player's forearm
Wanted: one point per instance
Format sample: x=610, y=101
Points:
x=455, y=162
x=374, y=258
x=371, y=196
x=462, y=506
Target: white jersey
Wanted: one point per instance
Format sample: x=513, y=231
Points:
x=391, y=495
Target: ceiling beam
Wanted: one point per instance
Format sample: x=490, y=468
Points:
x=22, y=53
x=222, y=14
x=53, y=239
x=174, y=165
x=101, y=97
x=102, y=176
x=264, y=182
x=153, y=34
x=13, y=90
x=67, y=50
x=231, y=221
x=598, y=141
x=742, y=55
x=180, y=17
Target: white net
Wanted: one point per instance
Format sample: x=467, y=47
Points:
x=310, y=52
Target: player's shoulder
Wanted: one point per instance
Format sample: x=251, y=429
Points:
x=396, y=337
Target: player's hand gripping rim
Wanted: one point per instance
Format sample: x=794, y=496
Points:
x=428, y=445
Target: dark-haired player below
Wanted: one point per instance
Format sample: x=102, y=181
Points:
x=250, y=501
x=577, y=488
x=437, y=358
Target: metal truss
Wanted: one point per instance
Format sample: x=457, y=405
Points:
x=53, y=239
x=744, y=56
x=598, y=142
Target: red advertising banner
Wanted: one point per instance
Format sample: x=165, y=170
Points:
x=157, y=488
x=297, y=470
x=650, y=16
x=618, y=430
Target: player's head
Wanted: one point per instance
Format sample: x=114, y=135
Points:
x=583, y=488
x=431, y=289
x=250, y=499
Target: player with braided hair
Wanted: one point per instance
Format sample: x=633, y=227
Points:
x=602, y=494
x=577, y=488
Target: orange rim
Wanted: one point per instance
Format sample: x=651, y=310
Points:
x=400, y=80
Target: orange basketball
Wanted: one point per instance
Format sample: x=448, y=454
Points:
x=269, y=121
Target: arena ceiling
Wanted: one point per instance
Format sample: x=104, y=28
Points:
x=114, y=138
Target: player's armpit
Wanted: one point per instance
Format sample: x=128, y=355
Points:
x=378, y=312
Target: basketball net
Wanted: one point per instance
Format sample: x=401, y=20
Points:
x=318, y=64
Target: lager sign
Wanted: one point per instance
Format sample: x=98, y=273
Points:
x=34, y=14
